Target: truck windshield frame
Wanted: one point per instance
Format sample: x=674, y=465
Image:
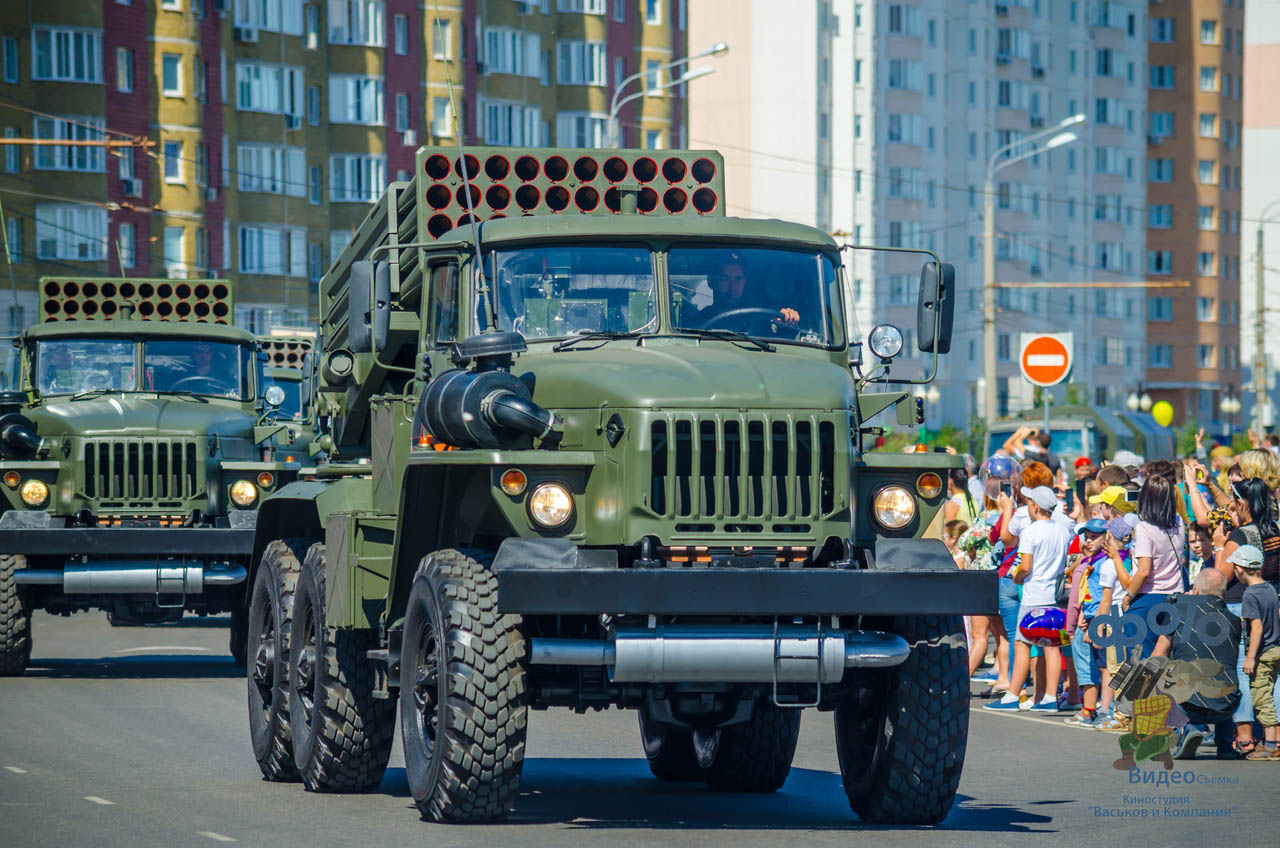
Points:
x=70, y=366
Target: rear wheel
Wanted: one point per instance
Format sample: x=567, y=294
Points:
x=342, y=734
x=670, y=751
x=15, y=619
x=462, y=686
x=901, y=739
x=270, y=617
x=756, y=756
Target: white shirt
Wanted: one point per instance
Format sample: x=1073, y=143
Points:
x=1021, y=519
x=1046, y=542
x=1107, y=577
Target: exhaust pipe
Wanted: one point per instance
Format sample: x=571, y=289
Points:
x=733, y=654
x=121, y=578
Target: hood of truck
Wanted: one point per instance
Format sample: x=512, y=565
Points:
x=682, y=374
x=143, y=415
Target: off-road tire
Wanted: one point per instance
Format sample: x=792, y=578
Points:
x=462, y=687
x=756, y=756
x=901, y=739
x=15, y=619
x=669, y=750
x=342, y=734
x=270, y=619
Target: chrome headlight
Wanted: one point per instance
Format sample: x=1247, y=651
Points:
x=885, y=341
x=894, y=507
x=243, y=493
x=274, y=396
x=34, y=492
x=551, y=505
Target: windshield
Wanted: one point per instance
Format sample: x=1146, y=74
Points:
x=70, y=366
x=554, y=292
x=774, y=295
x=217, y=369
x=1067, y=444
x=292, y=406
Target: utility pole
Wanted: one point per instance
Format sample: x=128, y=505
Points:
x=1260, y=400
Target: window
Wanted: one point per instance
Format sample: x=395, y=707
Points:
x=1107, y=110
x=509, y=51
x=1204, y=309
x=1160, y=356
x=580, y=129
x=1160, y=170
x=1002, y=347
x=1013, y=43
x=171, y=5
x=276, y=89
x=1159, y=262
x=313, y=105
x=905, y=74
x=356, y=178
x=441, y=118
x=1162, y=76
x=357, y=22
x=10, y=60
x=13, y=237
x=174, y=245
x=905, y=182
x=78, y=128
x=1208, y=78
x=1208, y=125
x=1108, y=255
x=507, y=123
x=1108, y=160
x=1160, y=216
x=905, y=129
x=1207, y=171
x=71, y=231
x=441, y=40
x=653, y=139
x=202, y=164
x=1208, y=32
x=1011, y=94
x=1204, y=216
x=581, y=63
x=1206, y=263
x=271, y=168
x=315, y=193
x=589, y=7
x=1160, y=125
x=904, y=20
x=173, y=162
x=66, y=55
x=402, y=35
x=1107, y=207
x=1160, y=309
x=126, y=244
x=315, y=263
x=271, y=250
x=653, y=11
x=1204, y=355
x=620, y=11
x=355, y=100
x=171, y=74
x=337, y=243
x=1162, y=30
x=1105, y=62
x=313, y=27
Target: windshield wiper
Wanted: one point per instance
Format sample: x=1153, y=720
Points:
x=726, y=335
x=91, y=393
x=181, y=393
x=594, y=335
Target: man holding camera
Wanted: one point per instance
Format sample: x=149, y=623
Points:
x=1031, y=443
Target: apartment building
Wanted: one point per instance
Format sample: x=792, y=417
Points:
x=888, y=134
x=1194, y=163
x=1260, y=197
x=273, y=124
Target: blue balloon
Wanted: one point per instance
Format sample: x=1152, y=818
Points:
x=1045, y=626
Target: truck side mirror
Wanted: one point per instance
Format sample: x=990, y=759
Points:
x=381, y=314
x=308, y=376
x=937, y=299
x=359, y=299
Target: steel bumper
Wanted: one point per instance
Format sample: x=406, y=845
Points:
x=117, y=542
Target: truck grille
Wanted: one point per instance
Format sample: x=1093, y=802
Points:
x=142, y=471
x=740, y=468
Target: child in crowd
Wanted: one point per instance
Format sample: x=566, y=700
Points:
x=951, y=533
x=1114, y=598
x=1201, y=545
x=1086, y=598
x=1260, y=615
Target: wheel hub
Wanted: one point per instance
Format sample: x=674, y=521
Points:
x=264, y=664
x=426, y=683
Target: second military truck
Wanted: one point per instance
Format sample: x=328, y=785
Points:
x=595, y=444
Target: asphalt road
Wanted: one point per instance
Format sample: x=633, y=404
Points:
x=138, y=737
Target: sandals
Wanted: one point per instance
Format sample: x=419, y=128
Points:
x=1244, y=749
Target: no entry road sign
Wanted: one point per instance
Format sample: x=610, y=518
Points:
x=1046, y=357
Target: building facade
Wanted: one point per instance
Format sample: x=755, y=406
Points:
x=1194, y=164
x=265, y=128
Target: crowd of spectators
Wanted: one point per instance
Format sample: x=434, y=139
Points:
x=1126, y=536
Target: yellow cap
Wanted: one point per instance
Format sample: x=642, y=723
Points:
x=1114, y=497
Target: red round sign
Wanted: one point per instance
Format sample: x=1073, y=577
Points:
x=1045, y=360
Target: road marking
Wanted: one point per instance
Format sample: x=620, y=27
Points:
x=103, y=801
x=150, y=648
x=1045, y=359
x=1048, y=721
x=216, y=837
x=15, y=769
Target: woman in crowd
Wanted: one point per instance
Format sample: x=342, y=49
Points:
x=960, y=505
x=983, y=553
x=1159, y=540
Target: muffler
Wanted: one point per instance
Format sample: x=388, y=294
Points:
x=733, y=654
x=171, y=577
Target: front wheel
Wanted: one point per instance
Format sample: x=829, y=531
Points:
x=462, y=693
x=901, y=737
x=15, y=619
x=269, y=620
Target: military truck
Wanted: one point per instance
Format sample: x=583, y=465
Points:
x=132, y=457
x=290, y=367
x=1095, y=432
x=606, y=451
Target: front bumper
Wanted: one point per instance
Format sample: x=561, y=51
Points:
x=115, y=542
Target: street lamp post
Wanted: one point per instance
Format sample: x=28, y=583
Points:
x=1260, y=400
x=1043, y=141
x=1229, y=406
x=617, y=101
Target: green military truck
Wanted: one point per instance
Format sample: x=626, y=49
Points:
x=290, y=366
x=606, y=450
x=132, y=454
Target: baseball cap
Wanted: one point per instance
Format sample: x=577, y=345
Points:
x=1120, y=528
x=1132, y=519
x=1127, y=459
x=1093, y=525
x=1221, y=451
x=1113, y=496
x=1246, y=556
x=1041, y=496
x=1083, y=462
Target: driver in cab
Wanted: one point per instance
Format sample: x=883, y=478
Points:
x=732, y=293
x=204, y=375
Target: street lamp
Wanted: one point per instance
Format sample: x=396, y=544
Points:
x=1045, y=140
x=1230, y=407
x=617, y=101
x=1261, y=401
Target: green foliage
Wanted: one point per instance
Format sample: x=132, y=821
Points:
x=949, y=436
x=1186, y=438
x=1240, y=443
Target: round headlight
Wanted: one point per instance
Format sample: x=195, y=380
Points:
x=894, y=507
x=243, y=493
x=551, y=505
x=274, y=395
x=34, y=492
x=885, y=341
x=929, y=485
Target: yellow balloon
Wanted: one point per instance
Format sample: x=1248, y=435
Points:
x=1162, y=412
